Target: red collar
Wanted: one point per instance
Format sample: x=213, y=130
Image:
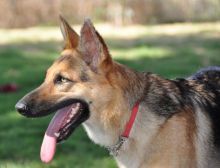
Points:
x=114, y=150
x=130, y=123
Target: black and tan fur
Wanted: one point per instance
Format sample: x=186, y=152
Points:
x=177, y=125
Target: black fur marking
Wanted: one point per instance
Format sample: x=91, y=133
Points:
x=167, y=97
x=37, y=107
x=162, y=96
x=210, y=79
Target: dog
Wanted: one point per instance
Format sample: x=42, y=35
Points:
x=143, y=119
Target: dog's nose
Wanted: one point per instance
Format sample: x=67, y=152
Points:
x=21, y=107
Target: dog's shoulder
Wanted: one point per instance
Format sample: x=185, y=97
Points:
x=201, y=90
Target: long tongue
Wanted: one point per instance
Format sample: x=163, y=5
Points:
x=48, y=147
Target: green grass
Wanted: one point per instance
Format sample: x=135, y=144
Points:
x=25, y=61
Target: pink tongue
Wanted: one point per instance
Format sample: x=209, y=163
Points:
x=48, y=147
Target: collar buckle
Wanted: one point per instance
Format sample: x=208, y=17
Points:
x=114, y=150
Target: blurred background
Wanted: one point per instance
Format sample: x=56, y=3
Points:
x=172, y=38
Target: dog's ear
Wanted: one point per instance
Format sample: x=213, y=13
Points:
x=71, y=38
x=94, y=50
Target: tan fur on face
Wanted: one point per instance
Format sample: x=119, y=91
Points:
x=104, y=108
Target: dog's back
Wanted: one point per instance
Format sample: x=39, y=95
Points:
x=209, y=76
x=209, y=79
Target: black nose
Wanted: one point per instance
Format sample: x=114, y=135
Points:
x=21, y=107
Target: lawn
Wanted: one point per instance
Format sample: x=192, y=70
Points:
x=176, y=50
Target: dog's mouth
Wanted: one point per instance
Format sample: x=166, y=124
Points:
x=61, y=126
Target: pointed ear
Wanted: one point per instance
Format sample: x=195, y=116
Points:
x=94, y=50
x=71, y=38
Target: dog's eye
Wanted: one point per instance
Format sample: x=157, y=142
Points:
x=60, y=79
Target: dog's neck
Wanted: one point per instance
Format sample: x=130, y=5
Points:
x=160, y=143
x=111, y=122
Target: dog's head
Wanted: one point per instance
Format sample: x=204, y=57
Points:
x=77, y=86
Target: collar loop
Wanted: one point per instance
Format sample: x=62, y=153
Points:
x=114, y=150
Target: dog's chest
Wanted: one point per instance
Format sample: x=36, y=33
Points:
x=98, y=135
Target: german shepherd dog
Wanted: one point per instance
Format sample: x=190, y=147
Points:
x=177, y=124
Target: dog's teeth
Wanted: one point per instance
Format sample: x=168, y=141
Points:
x=57, y=134
x=73, y=112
